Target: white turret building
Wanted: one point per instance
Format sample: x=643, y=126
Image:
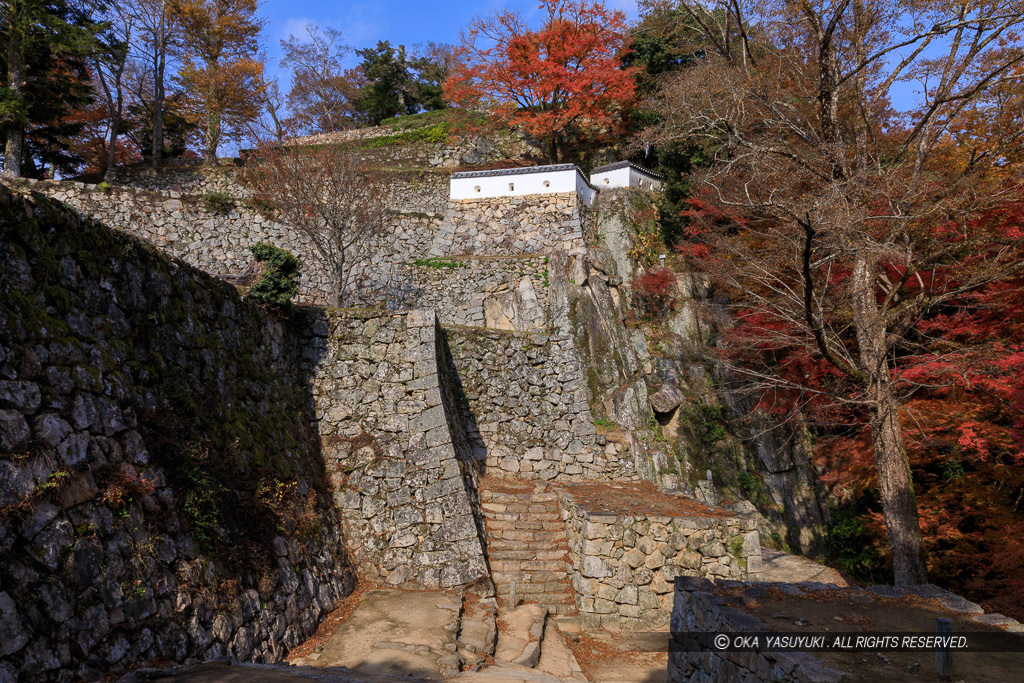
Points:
x=554, y=179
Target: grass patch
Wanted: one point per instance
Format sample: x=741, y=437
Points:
x=412, y=121
x=434, y=134
x=218, y=202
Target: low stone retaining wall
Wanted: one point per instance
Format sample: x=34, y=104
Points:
x=703, y=607
x=698, y=610
x=623, y=565
x=397, y=458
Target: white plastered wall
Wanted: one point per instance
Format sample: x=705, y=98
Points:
x=627, y=176
x=520, y=184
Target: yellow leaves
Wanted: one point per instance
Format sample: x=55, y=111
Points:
x=221, y=75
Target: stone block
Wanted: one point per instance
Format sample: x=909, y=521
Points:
x=595, y=567
x=430, y=418
x=634, y=558
x=627, y=596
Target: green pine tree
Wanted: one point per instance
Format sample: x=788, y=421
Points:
x=43, y=78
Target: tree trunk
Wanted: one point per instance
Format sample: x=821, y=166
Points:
x=13, y=150
x=338, y=295
x=159, y=64
x=895, y=485
x=553, y=148
x=115, y=129
x=899, y=506
x=212, y=138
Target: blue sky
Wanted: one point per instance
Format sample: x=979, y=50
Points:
x=403, y=22
x=408, y=22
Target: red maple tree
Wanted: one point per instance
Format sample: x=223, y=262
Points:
x=566, y=74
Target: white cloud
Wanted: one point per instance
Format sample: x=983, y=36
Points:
x=294, y=26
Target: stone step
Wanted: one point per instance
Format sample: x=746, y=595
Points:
x=534, y=574
x=528, y=565
x=527, y=544
x=505, y=576
x=527, y=536
x=529, y=554
x=539, y=546
x=513, y=515
x=515, y=498
x=526, y=524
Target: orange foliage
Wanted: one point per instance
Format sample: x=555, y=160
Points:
x=568, y=73
x=965, y=440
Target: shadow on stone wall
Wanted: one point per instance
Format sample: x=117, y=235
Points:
x=162, y=489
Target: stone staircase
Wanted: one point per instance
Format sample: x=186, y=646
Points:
x=527, y=544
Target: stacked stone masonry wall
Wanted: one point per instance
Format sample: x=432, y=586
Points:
x=526, y=404
x=534, y=224
x=700, y=607
x=168, y=210
x=218, y=241
x=623, y=565
x=118, y=367
x=396, y=454
x=495, y=292
x=458, y=151
x=697, y=609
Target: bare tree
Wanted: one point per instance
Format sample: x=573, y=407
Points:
x=327, y=196
x=322, y=90
x=156, y=38
x=111, y=57
x=272, y=124
x=836, y=223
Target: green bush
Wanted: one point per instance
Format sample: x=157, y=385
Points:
x=280, y=281
x=852, y=547
x=706, y=422
x=218, y=202
x=748, y=482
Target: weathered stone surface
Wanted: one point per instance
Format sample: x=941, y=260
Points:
x=14, y=432
x=630, y=589
x=667, y=397
x=698, y=607
x=12, y=634
x=406, y=502
x=102, y=568
x=526, y=407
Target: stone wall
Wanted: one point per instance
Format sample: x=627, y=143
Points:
x=702, y=609
x=397, y=457
x=623, y=564
x=698, y=610
x=162, y=493
x=526, y=404
x=508, y=293
x=457, y=151
x=536, y=224
x=169, y=211
x=422, y=191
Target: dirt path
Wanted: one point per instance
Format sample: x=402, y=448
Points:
x=786, y=568
x=393, y=633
